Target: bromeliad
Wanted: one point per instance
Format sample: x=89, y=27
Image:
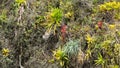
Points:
x=100, y=24
x=63, y=31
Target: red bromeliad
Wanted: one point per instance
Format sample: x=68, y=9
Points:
x=100, y=24
x=63, y=31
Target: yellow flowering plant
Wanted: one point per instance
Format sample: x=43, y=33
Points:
x=53, y=19
x=5, y=52
x=60, y=56
x=68, y=14
x=112, y=26
x=110, y=6
x=89, y=39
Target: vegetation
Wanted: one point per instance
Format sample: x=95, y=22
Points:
x=59, y=34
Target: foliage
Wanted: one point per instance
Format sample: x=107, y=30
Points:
x=108, y=6
x=5, y=52
x=89, y=39
x=61, y=57
x=31, y=29
x=112, y=7
x=100, y=60
x=71, y=48
x=20, y=2
x=117, y=49
x=53, y=19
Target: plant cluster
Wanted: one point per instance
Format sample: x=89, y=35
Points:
x=53, y=19
x=73, y=33
x=65, y=53
x=111, y=7
x=108, y=6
